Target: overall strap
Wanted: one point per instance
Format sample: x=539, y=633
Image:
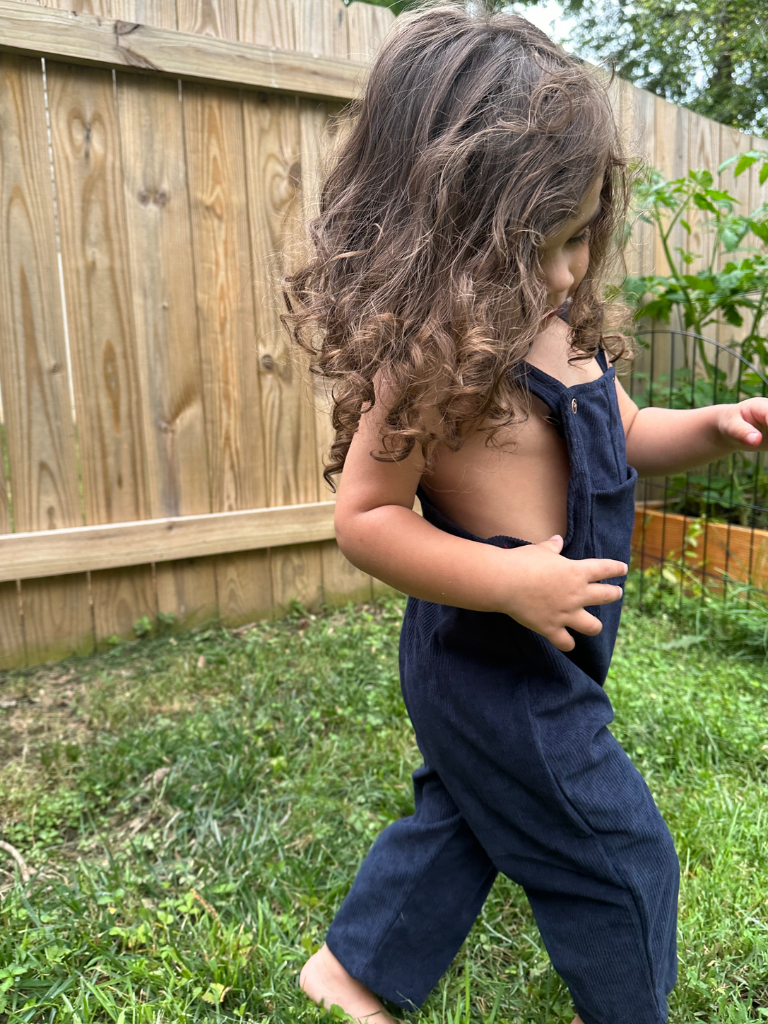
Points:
x=548, y=389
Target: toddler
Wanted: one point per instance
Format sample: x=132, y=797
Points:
x=454, y=300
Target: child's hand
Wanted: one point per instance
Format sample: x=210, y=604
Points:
x=745, y=425
x=556, y=590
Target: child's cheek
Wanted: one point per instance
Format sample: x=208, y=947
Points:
x=582, y=264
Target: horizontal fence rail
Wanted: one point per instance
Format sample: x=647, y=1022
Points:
x=81, y=548
x=107, y=43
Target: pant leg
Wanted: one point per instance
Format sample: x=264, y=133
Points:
x=414, y=899
x=558, y=807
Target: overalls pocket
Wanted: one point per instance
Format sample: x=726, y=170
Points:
x=613, y=518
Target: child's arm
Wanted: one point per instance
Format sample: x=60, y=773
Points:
x=661, y=441
x=379, y=533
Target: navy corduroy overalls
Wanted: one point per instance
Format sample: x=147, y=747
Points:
x=522, y=776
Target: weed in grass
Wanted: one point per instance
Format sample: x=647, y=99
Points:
x=196, y=810
x=730, y=616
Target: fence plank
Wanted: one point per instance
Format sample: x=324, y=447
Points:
x=368, y=26
x=324, y=28
x=160, y=246
x=313, y=26
x=269, y=23
x=5, y=507
x=32, y=357
x=341, y=580
x=97, y=285
x=12, y=650
x=159, y=13
x=213, y=129
x=731, y=143
x=758, y=193
x=272, y=23
x=100, y=8
x=39, y=429
x=244, y=586
x=638, y=119
x=703, y=152
x=233, y=401
x=671, y=142
x=273, y=177
x=671, y=156
x=217, y=18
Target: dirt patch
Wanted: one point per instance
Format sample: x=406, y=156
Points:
x=39, y=709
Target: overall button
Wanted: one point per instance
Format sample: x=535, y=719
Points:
x=574, y=404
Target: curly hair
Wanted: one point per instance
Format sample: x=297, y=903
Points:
x=475, y=140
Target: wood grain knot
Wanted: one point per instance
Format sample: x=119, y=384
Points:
x=268, y=363
x=157, y=196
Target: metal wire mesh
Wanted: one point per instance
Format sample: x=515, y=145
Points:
x=707, y=526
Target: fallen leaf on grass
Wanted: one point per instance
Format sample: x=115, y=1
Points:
x=215, y=993
x=156, y=777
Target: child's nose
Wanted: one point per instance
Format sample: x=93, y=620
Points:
x=559, y=276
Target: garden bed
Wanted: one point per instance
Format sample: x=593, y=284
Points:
x=710, y=550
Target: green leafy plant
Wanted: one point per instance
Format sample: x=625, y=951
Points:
x=731, y=289
x=142, y=627
x=736, y=293
x=732, y=617
x=733, y=489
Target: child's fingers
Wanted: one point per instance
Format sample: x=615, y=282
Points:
x=755, y=412
x=749, y=425
x=603, y=569
x=562, y=640
x=555, y=543
x=603, y=593
x=751, y=436
x=745, y=432
x=582, y=622
x=585, y=623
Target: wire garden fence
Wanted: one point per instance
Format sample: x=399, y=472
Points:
x=703, y=531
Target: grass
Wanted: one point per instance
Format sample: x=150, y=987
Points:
x=193, y=809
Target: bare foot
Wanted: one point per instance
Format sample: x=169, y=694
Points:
x=326, y=982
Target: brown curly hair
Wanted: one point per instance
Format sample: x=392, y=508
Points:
x=475, y=140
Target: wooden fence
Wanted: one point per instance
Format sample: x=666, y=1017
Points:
x=161, y=452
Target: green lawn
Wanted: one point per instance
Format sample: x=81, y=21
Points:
x=194, y=807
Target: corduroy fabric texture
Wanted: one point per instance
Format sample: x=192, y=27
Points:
x=523, y=776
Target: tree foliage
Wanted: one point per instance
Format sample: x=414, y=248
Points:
x=710, y=55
